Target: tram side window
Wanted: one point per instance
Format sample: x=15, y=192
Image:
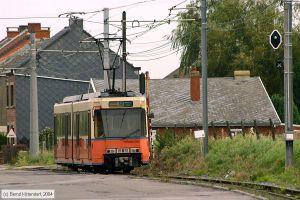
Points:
x=83, y=123
x=99, y=131
x=58, y=125
x=75, y=124
x=68, y=122
x=62, y=124
x=143, y=121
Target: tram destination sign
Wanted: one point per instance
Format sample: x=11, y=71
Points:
x=117, y=104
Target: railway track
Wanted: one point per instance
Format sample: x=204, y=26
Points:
x=265, y=191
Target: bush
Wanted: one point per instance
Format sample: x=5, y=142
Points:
x=163, y=140
x=240, y=158
x=46, y=138
x=278, y=102
x=10, y=152
x=3, y=140
x=184, y=156
x=45, y=158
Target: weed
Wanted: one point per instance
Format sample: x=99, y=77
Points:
x=240, y=158
x=45, y=158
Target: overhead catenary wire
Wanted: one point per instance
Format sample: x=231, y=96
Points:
x=158, y=53
x=73, y=52
x=150, y=42
x=32, y=17
x=64, y=51
x=153, y=49
x=142, y=60
x=101, y=10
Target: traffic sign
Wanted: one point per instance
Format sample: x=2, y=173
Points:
x=11, y=134
x=275, y=39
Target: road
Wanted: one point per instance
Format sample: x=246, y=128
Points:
x=101, y=186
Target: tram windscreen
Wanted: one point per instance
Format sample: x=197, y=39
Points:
x=124, y=123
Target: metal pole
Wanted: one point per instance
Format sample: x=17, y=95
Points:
x=204, y=75
x=288, y=83
x=106, y=50
x=124, y=50
x=34, y=124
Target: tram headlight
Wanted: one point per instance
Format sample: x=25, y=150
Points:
x=111, y=151
x=134, y=150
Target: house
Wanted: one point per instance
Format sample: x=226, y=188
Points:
x=234, y=103
x=60, y=73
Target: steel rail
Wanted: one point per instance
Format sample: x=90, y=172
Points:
x=283, y=192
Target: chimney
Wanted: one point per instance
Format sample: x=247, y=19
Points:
x=34, y=27
x=12, y=32
x=241, y=74
x=76, y=23
x=22, y=28
x=195, y=85
x=40, y=32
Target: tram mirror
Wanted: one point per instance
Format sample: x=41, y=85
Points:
x=142, y=83
x=151, y=115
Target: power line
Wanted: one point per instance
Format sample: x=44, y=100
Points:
x=151, y=28
x=157, y=57
x=32, y=17
x=151, y=42
x=152, y=54
x=124, y=6
x=63, y=51
x=155, y=48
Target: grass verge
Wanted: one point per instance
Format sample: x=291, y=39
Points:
x=44, y=158
x=240, y=159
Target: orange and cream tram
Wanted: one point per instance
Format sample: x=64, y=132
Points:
x=97, y=131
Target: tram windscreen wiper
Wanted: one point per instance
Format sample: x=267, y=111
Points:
x=132, y=133
x=123, y=116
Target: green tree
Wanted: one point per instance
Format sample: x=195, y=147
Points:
x=46, y=137
x=278, y=102
x=238, y=38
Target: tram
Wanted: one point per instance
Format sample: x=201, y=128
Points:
x=99, y=131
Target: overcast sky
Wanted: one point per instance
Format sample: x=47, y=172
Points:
x=146, y=10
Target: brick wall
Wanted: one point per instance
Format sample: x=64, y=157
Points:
x=221, y=131
x=11, y=108
x=3, y=101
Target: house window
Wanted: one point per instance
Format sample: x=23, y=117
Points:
x=7, y=95
x=12, y=95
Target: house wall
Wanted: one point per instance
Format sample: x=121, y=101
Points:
x=221, y=131
x=50, y=91
x=3, y=102
x=10, y=102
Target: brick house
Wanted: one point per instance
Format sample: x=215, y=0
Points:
x=239, y=102
x=60, y=74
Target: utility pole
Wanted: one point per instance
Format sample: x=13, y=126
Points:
x=204, y=75
x=288, y=83
x=124, y=50
x=106, y=62
x=34, y=124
